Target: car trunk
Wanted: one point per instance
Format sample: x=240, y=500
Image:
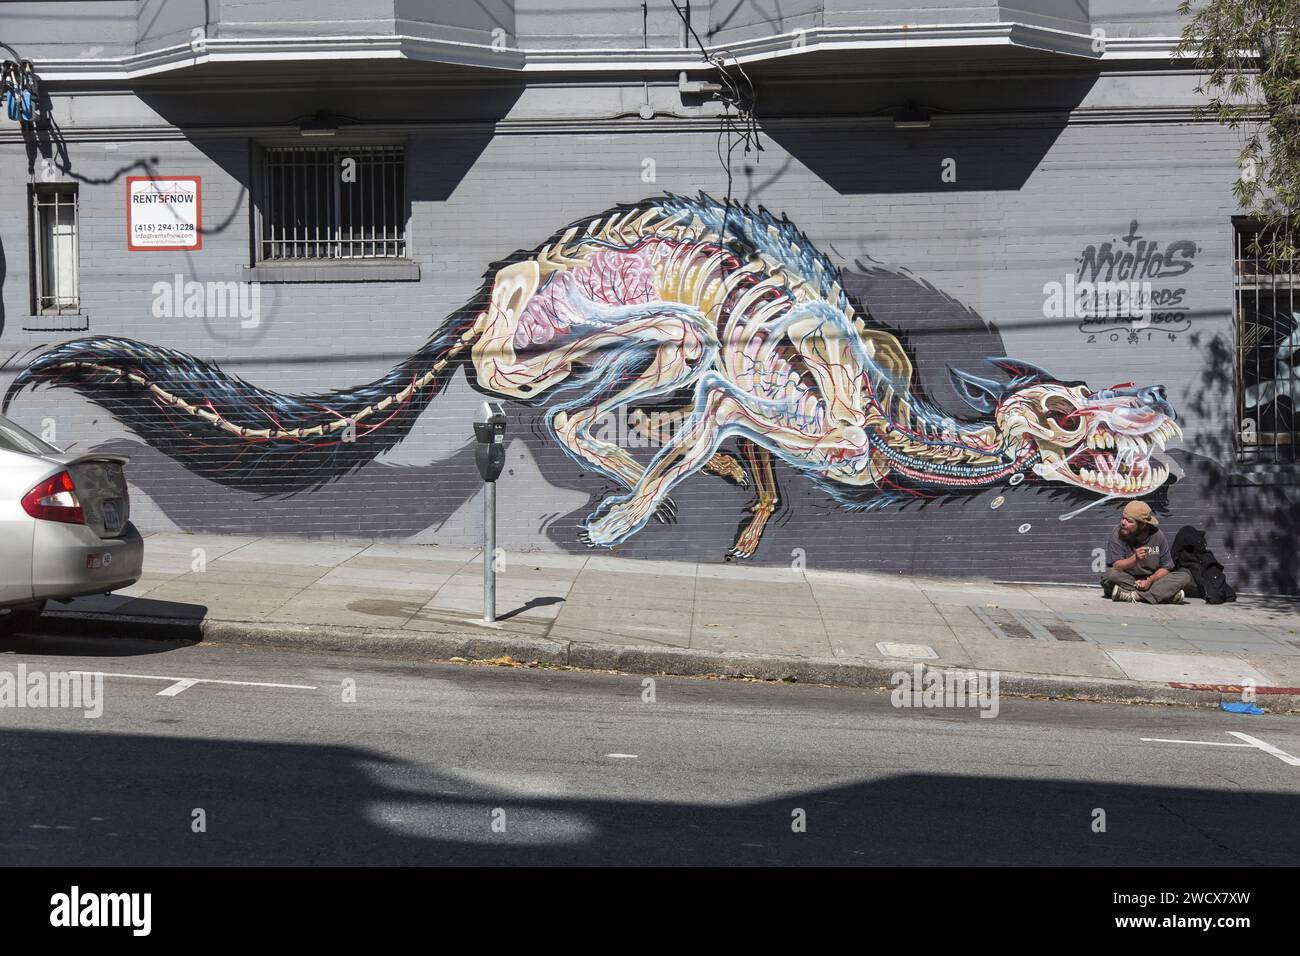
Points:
x=101, y=489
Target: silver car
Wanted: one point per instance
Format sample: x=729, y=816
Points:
x=65, y=527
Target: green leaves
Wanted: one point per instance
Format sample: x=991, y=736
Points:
x=1249, y=52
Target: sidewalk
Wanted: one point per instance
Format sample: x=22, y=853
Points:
x=731, y=619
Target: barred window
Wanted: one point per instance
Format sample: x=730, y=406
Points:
x=54, y=230
x=333, y=203
x=1267, y=318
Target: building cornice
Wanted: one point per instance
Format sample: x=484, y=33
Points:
x=784, y=46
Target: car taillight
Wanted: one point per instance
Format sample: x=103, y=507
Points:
x=55, y=499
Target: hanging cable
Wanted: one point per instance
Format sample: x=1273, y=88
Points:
x=736, y=93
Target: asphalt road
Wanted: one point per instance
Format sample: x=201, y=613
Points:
x=455, y=764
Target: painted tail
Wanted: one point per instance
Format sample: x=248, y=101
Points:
x=237, y=434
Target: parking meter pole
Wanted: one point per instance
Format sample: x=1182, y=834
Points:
x=489, y=551
x=490, y=457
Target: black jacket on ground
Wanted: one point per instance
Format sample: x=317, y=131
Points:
x=1191, y=555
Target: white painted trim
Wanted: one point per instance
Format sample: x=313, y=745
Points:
x=614, y=60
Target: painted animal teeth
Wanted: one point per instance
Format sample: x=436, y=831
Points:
x=1111, y=481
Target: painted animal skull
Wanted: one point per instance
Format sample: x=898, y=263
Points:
x=1101, y=441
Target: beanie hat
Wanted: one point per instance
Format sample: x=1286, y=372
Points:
x=1141, y=511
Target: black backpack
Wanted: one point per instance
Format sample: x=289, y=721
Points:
x=1191, y=555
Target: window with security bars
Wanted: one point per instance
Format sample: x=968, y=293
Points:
x=333, y=203
x=55, y=250
x=1267, y=316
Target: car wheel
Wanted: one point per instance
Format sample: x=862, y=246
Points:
x=21, y=619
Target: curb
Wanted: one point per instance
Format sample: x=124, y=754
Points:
x=651, y=660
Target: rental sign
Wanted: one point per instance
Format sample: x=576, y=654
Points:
x=163, y=214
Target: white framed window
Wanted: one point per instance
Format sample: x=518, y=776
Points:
x=332, y=204
x=56, y=248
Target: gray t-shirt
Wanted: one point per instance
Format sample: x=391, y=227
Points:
x=1158, y=553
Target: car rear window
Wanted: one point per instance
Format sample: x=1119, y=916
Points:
x=13, y=438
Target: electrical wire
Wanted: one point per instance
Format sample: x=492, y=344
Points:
x=737, y=93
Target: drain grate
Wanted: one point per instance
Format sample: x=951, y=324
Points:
x=1027, y=625
x=1062, y=631
x=1009, y=624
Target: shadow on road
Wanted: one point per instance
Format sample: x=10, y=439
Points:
x=49, y=642
x=107, y=799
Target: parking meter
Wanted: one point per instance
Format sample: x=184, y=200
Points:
x=490, y=457
x=489, y=432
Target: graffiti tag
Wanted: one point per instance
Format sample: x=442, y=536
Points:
x=1120, y=286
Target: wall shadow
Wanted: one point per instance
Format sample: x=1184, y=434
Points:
x=979, y=123
x=883, y=160
x=1253, y=513
x=438, y=162
x=428, y=495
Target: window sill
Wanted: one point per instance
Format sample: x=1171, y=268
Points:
x=68, y=322
x=402, y=270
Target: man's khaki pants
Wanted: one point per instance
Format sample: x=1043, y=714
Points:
x=1159, y=593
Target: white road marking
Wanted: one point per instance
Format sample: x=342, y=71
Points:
x=624, y=756
x=1281, y=755
x=1203, y=743
x=1252, y=743
x=177, y=687
x=202, y=680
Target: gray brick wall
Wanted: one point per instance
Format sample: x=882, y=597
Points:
x=1026, y=202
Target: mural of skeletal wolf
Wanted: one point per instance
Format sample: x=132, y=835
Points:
x=730, y=314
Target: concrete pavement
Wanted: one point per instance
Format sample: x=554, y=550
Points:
x=601, y=611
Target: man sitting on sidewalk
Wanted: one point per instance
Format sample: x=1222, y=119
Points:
x=1141, y=563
